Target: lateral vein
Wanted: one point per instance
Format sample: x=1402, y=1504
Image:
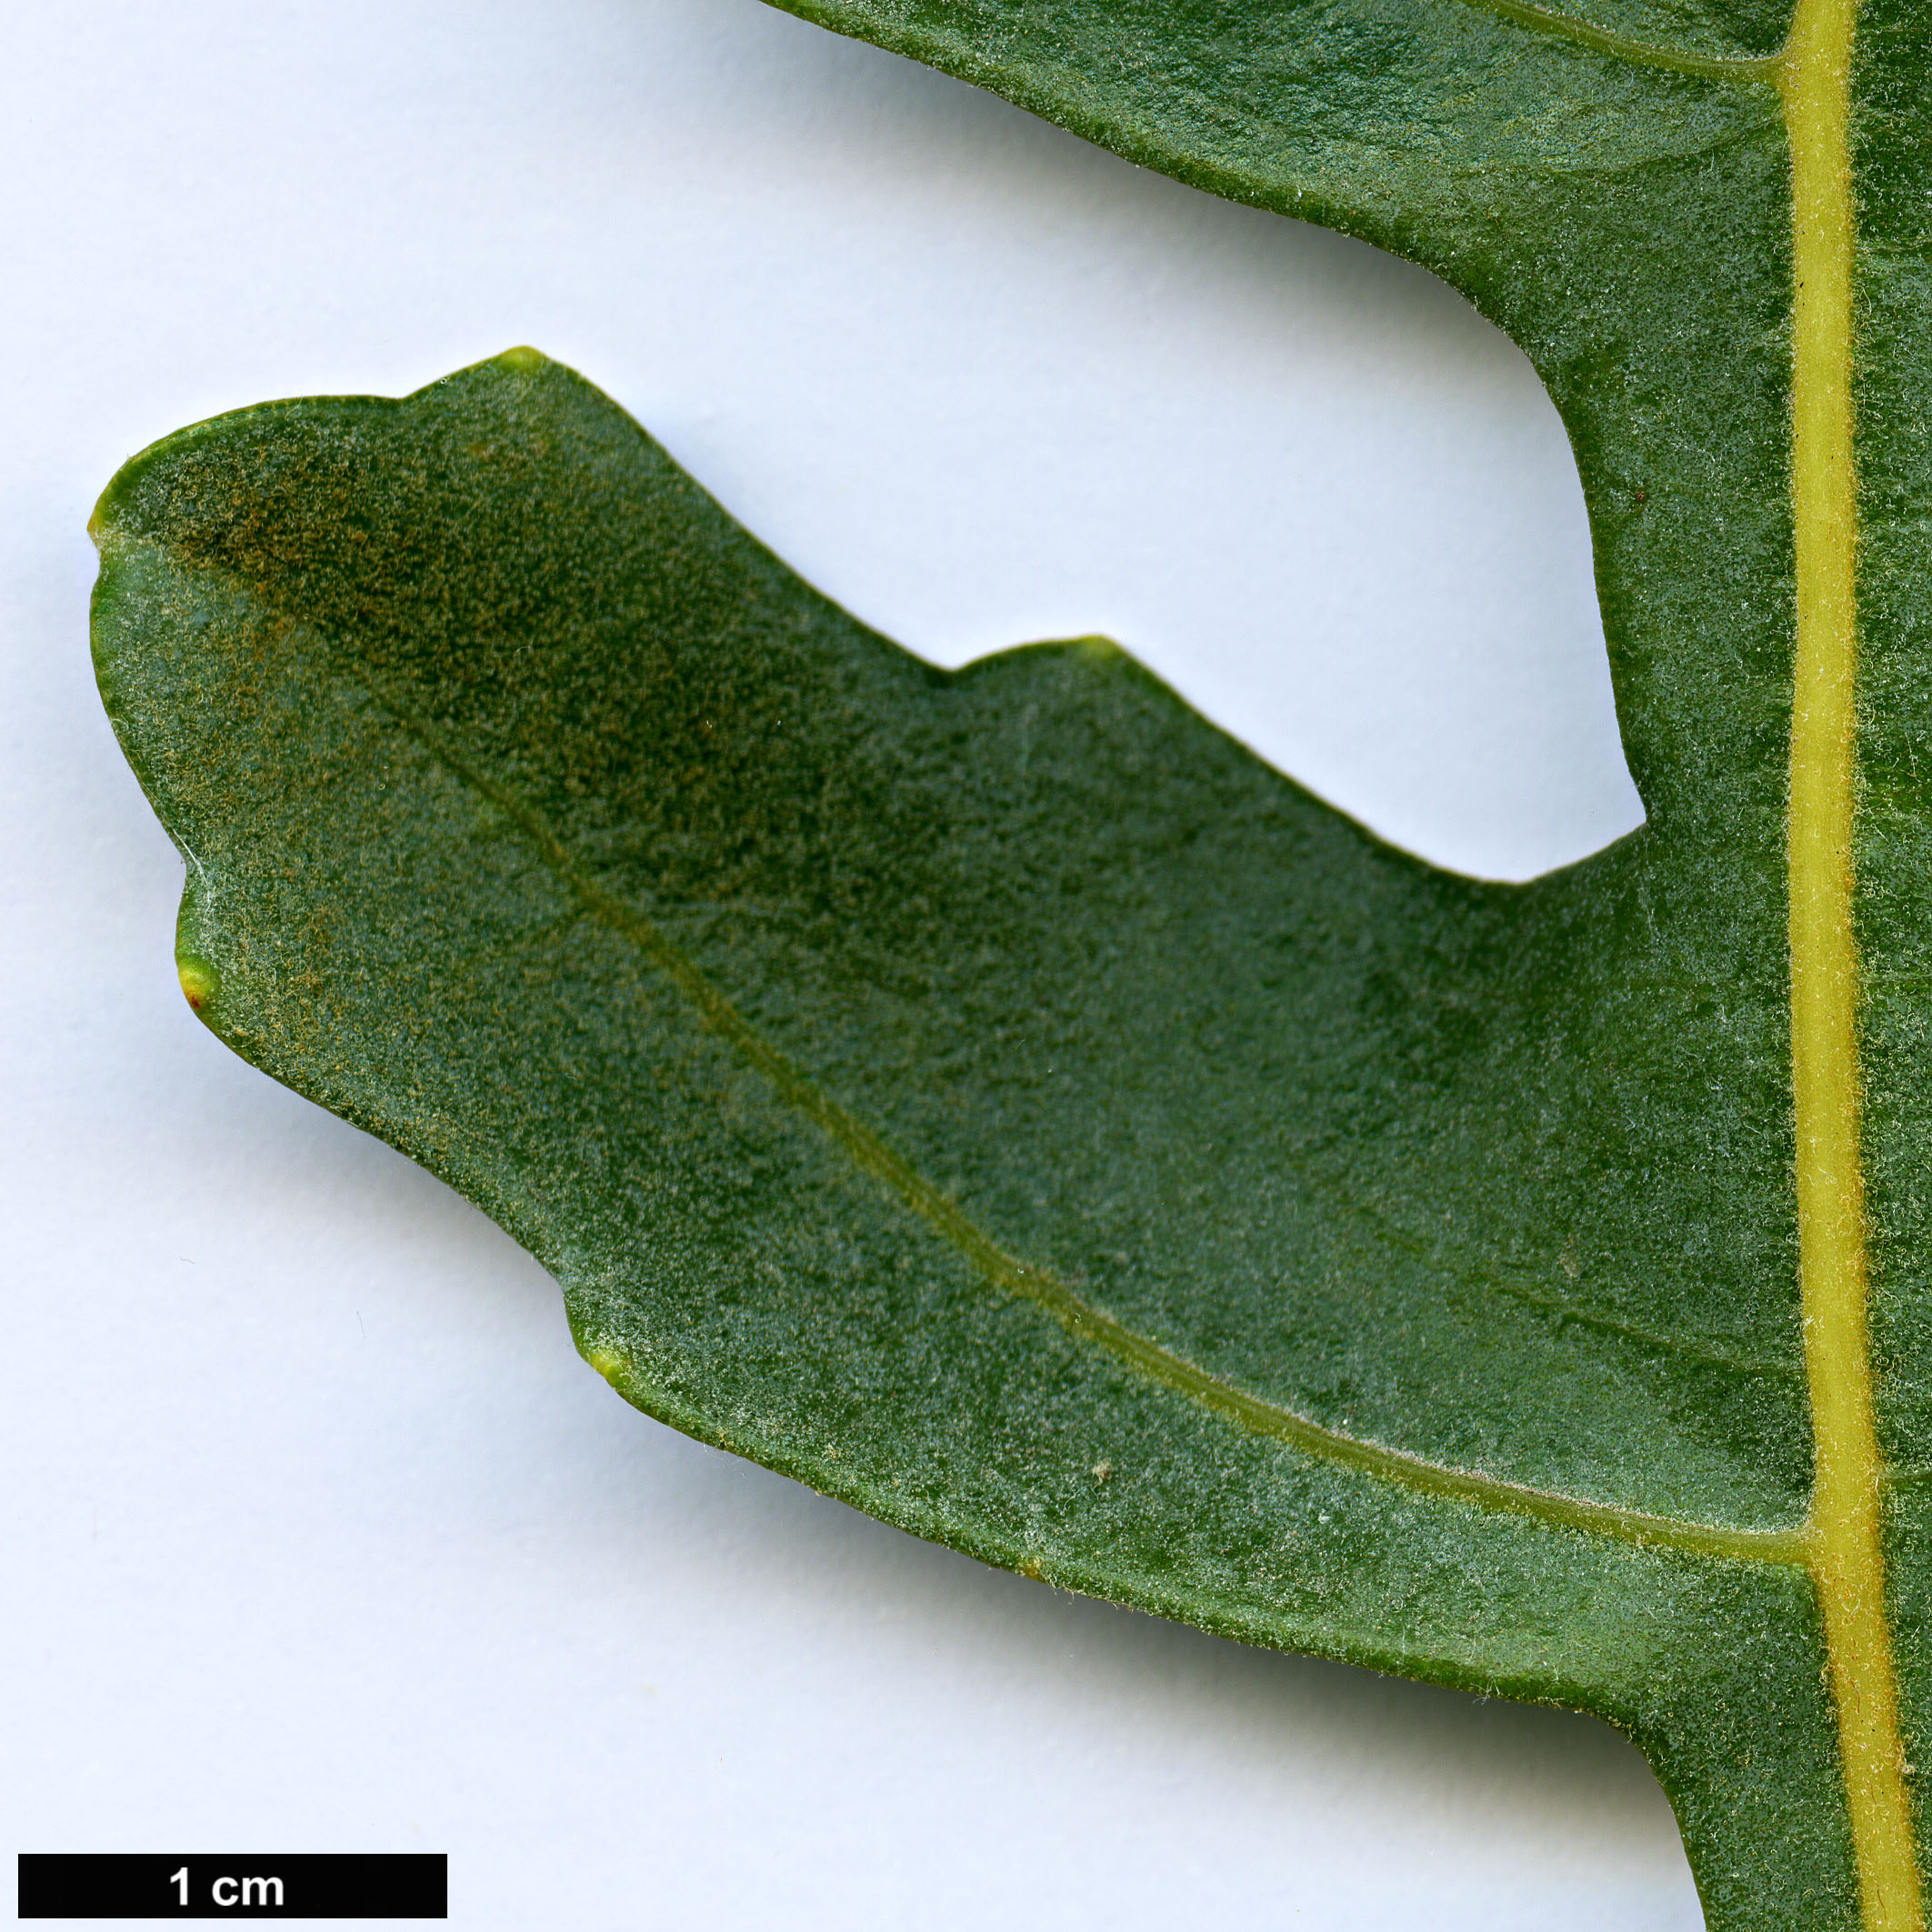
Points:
x=1078, y=1318
x=1637, y=52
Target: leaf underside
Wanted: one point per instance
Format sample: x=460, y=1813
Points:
x=997, y=1098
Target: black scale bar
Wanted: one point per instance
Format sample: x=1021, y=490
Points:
x=248, y=1886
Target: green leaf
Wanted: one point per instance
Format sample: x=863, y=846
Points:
x=1000, y=1100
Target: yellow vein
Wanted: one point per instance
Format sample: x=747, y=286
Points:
x=1845, y=1527
x=868, y=1152
x=1598, y=40
x=1844, y=1532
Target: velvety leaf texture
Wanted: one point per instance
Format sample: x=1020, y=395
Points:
x=998, y=1099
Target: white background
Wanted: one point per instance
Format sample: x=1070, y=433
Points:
x=321, y=1536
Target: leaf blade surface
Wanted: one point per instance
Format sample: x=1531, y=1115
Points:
x=1160, y=86
x=1000, y=1100
x=542, y=823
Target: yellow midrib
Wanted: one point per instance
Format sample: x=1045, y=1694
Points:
x=1843, y=1533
